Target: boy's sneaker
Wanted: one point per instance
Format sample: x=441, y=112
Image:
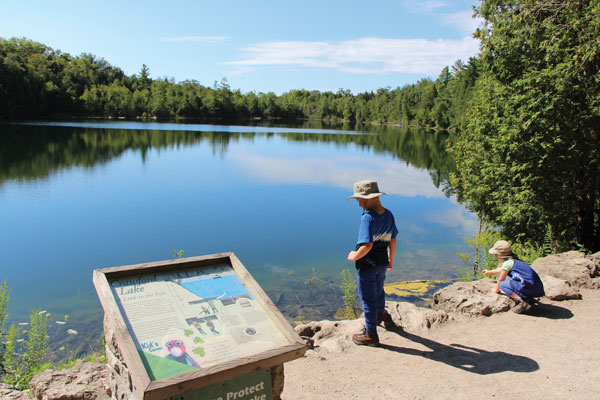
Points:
x=366, y=338
x=521, y=307
x=386, y=319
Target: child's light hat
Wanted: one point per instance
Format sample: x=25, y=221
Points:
x=365, y=190
x=501, y=249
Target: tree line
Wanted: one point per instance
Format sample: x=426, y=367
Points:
x=37, y=81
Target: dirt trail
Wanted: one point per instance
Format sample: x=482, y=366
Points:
x=552, y=353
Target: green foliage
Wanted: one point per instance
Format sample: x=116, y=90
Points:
x=349, y=295
x=24, y=352
x=4, y=297
x=178, y=254
x=15, y=373
x=548, y=243
x=528, y=154
x=479, y=258
x=300, y=318
x=36, y=344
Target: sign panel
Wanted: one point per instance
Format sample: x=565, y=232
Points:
x=193, y=318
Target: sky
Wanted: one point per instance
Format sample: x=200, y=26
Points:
x=258, y=46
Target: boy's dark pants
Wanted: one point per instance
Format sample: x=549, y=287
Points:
x=370, y=290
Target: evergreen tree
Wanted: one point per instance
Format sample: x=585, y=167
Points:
x=530, y=151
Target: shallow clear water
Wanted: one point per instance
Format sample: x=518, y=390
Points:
x=79, y=196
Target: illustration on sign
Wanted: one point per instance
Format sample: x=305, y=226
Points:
x=184, y=320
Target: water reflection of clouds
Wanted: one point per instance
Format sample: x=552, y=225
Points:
x=393, y=176
x=457, y=217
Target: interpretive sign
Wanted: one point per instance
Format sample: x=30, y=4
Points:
x=190, y=323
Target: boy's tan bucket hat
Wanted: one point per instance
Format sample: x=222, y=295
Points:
x=365, y=190
x=502, y=249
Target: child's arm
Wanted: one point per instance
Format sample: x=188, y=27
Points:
x=503, y=273
x=391, y=253
x=491, y=272
x=362, y=251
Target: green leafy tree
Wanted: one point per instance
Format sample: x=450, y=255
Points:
x=529, y=154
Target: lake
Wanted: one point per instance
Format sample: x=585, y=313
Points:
x=76, y=196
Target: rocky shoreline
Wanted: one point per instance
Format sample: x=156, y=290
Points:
x=565, y=276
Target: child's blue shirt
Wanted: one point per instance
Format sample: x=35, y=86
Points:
x=379, y=230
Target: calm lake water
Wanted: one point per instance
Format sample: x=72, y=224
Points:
x=78, y=196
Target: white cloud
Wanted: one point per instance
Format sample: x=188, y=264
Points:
x=463, y=21
x=427, y=5
x=205, y=39
x=363, y=56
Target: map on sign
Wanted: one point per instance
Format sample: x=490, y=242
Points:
x=193, y=318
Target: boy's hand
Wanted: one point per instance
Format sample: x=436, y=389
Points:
x=352, y=255
x=496, y=290
x=390, y=265
x=485, y=272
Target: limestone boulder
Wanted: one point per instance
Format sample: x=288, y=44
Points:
x=578, y=269
x=8, y=392
x=415, y=319
x=85, y=381
x=559, y=289
x=471, y=298
x=332, y=336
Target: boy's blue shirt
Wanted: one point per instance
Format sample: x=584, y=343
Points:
x=379, y=230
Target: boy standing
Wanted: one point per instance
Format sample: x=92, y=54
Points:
x=374, y=255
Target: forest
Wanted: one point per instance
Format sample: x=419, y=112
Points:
x=38, y=82
x=524, y=113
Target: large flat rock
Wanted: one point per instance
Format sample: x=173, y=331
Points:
x=472, y=298
x=578, y=269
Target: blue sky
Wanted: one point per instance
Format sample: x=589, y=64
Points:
x=260, y=45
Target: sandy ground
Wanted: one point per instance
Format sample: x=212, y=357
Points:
x=552, y=353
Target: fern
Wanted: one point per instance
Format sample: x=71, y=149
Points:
x=548, y=244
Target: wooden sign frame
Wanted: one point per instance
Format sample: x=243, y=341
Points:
x=189, y=381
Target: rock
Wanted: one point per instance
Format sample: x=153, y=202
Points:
x=415, y=319
x=336, y=336
x=558, y=289
x=574, y=267
x=121, y=385
x=333, y=336
x=472, y=298
x=8, y=392
x=85, y=381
